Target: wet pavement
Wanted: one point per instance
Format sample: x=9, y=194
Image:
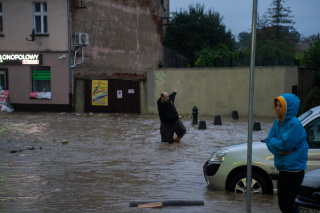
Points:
x=66, y=162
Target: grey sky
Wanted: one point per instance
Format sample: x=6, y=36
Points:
x=237, y=14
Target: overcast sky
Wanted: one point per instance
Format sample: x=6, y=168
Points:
x=237, y=14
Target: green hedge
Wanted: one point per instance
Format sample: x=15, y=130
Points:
x=312, y=100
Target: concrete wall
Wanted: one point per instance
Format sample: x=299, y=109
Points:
x=219, y=91
x=79, y=96
x=125, y=38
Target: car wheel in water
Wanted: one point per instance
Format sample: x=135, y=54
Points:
x=239, y=184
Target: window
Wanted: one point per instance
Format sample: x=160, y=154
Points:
x=40, y=23
x=3, y=79
x=41, y=79
x=313, y=134
x=1, y=23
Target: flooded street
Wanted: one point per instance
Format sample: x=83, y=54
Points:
x=101, y=162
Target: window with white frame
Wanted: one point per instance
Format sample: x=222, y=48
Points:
x=40, y=22
x=1, y=23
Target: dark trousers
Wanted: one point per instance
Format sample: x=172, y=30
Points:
x=167, y=130
x=288, y=185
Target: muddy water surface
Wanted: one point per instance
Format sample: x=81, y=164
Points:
x=101, y=162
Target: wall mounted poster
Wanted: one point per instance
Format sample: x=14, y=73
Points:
x=100, y=92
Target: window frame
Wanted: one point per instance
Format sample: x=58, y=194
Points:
x=43, y=13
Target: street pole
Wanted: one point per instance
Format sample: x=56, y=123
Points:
x=251, y=93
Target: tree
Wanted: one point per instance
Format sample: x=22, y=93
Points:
x=311, y=38
x=276, y=36
x=311, y=58
x=191, y=31
x=279, y=17
x=312, y=100
x=206, y=57
x=244, y=39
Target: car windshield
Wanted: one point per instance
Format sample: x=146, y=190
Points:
x=304, y=115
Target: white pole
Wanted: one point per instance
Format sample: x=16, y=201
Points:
x=251, y=93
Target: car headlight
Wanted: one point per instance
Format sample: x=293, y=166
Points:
x=219, y=155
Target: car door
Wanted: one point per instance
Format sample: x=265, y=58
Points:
x=313, y=139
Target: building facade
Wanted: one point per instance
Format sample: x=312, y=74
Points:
x=125, y=41
x=34, y=54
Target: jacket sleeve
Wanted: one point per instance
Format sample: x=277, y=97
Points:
x=287, y=140
x=172, y=96
x=272, y=135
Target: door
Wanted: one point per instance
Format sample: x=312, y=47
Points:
x=122, y=96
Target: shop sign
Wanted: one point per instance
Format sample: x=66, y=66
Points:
x=20, y=58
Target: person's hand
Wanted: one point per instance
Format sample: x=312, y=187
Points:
x=286, y=153
x=175, y=90
x=181, y=116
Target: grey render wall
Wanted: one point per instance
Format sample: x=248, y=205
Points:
x=219, y=91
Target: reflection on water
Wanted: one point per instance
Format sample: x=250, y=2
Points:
x=101, y=162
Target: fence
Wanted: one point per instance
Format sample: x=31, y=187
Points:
x=233, y=62
x=172, y=59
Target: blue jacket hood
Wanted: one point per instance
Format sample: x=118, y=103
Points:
x=291, y=108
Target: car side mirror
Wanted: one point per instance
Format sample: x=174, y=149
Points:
x=310, y=135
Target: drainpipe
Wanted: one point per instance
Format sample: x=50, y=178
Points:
x=69, y=57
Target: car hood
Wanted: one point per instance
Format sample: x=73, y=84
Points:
x=312, y=179
x=258, y=147
x=310, y=187
x=260, y=154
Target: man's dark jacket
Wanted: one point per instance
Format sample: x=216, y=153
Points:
x=167, y=110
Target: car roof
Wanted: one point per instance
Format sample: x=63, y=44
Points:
x=315, y=109
x=309, y=115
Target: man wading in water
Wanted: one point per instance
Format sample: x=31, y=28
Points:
x=170, y=120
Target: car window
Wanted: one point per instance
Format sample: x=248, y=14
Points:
x=313, y=134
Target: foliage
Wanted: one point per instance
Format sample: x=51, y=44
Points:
x=310, y=38
x=278, y=15
x=275, y=49
x=191, y=31
x=311, y=58
x=244, y=40
x=205, y=58
x=312, y=100
x=275, y=37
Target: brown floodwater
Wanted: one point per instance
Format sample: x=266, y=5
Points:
x=67, y=162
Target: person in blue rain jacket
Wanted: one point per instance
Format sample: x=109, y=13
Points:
x=287, y=142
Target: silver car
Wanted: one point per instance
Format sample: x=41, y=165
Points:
x=226, y=169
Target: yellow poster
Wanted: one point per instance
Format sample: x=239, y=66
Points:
x=100, y=92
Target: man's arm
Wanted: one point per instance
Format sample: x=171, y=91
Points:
x=172, y=96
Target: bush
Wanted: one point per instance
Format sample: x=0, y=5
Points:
x=312, y=100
